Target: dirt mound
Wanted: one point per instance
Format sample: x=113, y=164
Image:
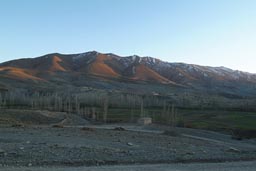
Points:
x=38, y=117
x=74, y=120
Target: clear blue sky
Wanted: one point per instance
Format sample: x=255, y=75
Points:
x=205, y=32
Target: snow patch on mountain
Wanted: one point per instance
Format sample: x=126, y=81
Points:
x=84, y=55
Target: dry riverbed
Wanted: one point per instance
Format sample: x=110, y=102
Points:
x=76, y=146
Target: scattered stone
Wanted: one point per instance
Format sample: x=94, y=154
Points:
x=119, y=129
x=130, y=144
x=22, y=148
x=30, y=164
x=27, y=142
x=18, y=125
x=2, y=151
x=190, y=153
x=13, y=153
x=233, y=150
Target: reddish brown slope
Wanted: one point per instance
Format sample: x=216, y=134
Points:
x=46, y=63
x=18, y=74
x=144, y=73
x=99, y=67
x=55, y=64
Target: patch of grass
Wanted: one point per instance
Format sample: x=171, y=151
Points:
x=192, y=118
x=220, y=120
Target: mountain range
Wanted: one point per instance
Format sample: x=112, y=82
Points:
x=110, y=71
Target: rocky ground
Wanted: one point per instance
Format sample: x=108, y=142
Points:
x=226, y=166
x=107, y=145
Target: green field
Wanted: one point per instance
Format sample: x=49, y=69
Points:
x=220, y=119
x=239, y=124
x=201, y=119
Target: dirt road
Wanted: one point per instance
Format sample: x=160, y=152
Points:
x=230, y=166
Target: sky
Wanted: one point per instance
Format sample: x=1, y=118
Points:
x=204, y=32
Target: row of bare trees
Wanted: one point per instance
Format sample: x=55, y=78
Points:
x=67, y=101
x=97, y=104
x=88, y=104
x=84, y=104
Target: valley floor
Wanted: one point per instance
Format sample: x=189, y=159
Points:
x=73, y=146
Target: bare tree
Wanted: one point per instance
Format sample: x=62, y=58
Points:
x=77, y=105
x=105, y=109
x=163, y=114
x=69, y=105
x=142, y=107
x=1, y=100
x=94, y=114
x=172, y=116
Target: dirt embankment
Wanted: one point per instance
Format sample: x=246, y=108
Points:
x=38, y=117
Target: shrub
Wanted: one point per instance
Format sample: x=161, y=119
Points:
x=87, y=129
x=58, y=126
x=240, y=134
x=172, y=133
